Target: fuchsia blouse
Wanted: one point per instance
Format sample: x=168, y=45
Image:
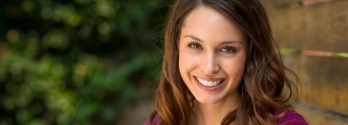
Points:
x=290, y=118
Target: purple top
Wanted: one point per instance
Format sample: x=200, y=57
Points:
x=290, y=118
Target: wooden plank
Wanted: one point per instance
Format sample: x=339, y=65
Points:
x=317, y=116
x=317, y=27
x=323, y=81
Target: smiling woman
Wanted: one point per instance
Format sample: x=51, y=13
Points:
x=211, y=67
x=221, y=66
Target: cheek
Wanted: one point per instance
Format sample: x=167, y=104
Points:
x=235, y=67
x=187, y=60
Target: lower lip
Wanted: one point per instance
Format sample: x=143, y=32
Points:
x=206, y=88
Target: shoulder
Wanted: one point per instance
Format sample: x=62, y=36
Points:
x=147, y=122
x=290, y=118
x=154, y=121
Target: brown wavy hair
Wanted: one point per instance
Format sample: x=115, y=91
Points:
x=264, y=87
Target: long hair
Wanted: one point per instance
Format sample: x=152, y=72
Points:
x=264, y=87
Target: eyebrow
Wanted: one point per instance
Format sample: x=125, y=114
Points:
x=224, y=42
x=193, y=37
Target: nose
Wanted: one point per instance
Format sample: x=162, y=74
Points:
x=209, y=64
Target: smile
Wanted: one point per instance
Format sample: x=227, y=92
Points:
x=209, y=83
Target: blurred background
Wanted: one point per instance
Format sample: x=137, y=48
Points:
x=313, y=39
x=79, y=62
x=86, y=62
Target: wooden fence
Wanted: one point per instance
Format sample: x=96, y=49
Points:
x=314, y=42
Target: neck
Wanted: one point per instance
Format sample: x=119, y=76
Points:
x=212, y=114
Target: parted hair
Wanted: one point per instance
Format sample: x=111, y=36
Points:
x=264, y=87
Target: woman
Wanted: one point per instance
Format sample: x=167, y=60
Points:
x=221, y=66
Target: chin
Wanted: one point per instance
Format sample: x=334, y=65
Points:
x=205, y=100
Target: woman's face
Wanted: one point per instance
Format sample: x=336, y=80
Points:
x=212, y=55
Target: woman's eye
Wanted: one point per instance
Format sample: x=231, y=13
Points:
x=194, y=46
x=229, y=50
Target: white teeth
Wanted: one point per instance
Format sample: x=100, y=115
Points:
x=209, y=83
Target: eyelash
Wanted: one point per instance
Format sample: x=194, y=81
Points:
x=227, y=49
x=195, y=46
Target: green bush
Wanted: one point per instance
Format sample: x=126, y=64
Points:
x=75, y=61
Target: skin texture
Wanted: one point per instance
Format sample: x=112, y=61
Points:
x=211, y=48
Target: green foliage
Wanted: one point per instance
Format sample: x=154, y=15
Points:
x=75, y=61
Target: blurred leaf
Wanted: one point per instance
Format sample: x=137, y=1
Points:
x=28, y=5
x=86, y=110
x=106, y=8
x=75, y=62
x=56, y=39
x=23, y=116
x=73, y=20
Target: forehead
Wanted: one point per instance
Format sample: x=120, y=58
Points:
x=207, y=23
